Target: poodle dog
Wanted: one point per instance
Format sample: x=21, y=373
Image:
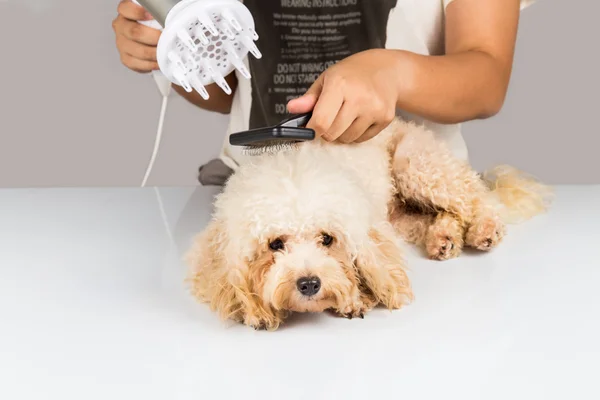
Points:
x=320, y=226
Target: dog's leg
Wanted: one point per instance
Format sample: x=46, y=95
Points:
x=412, y=225
x=426, y=173
x=486, y=229
x=441, y=234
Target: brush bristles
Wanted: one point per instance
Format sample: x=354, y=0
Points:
x=268, y=148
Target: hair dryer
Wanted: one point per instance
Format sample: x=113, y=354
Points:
x=202, y=41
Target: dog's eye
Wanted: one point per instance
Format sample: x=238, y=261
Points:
x=276, y=245
x=327, y=240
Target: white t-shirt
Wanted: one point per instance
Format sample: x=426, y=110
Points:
x=300, y=38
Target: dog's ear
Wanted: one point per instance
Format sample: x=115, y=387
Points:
x=381, y=267
x=211, y=272
x=219, y=277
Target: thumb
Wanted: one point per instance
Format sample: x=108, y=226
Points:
x=307, y=101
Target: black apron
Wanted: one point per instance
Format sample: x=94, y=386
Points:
x=299, y=39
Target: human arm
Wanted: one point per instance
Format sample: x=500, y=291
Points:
x=137, y=43
x=471, y=80
x=355, y=99
x=218, y=100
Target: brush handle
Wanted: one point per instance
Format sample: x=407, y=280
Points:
x=297, y=121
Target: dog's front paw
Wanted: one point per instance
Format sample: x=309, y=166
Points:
x=258, y=325
x=484, y=234
x=356, y=309
x=268, y=323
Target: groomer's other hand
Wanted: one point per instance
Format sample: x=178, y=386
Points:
x=353, y=100
x=136, y=43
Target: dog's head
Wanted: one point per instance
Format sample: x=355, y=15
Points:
x=281, y=242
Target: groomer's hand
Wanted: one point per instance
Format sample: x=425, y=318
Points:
x=353, y=100
x=136, y=43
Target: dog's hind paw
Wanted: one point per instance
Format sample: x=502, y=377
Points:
x=442, y=246
x=484, y=234
x=444, y=238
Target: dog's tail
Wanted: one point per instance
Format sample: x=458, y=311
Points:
x=520, y=196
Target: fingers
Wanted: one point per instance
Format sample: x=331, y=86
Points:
x=137, y=50
x=348, y=107
x=307, y=101
x=132, y=11
x=302, y=104
x=325, y=111
x=135, y=31
x=351, y=127
x=316, y=88
x=136, y=42
x=346, y=119
x=367, y=122
x=138, y=65
x=380, y=120
x=369, y=133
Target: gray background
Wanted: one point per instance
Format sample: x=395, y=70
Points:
x=72, y=115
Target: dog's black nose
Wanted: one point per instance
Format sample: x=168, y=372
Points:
x=309, y=286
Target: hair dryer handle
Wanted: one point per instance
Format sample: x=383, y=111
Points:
x=151, y=23
x=163, y=84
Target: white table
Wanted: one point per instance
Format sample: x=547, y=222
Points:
x=92, y=306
